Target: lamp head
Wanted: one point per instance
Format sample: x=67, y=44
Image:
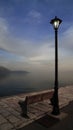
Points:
x=56, y=22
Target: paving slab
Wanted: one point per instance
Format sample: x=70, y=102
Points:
x=6, y=126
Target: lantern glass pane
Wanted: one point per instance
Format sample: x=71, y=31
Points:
x=56, y=24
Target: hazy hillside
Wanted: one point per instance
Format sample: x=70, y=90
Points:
x=4, y=71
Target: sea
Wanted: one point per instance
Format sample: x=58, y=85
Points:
x=17, y=83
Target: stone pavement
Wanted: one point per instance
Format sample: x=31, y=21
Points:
x=10, y=111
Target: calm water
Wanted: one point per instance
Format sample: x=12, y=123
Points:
x=15, y=83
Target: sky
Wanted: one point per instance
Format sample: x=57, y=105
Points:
x=27, y=37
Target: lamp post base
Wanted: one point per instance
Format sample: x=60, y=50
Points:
x=55, y=103
x=55, y=111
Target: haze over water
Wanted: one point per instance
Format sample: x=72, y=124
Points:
x=15, y=83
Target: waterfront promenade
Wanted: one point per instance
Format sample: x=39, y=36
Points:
x=10, y=111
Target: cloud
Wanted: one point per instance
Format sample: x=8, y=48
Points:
x=34, y=14
x=66, y=44
x=68, y=38
x=3, y=27
x=21, y=53
x=33, y=17
x=21, y=47
x=44, y=52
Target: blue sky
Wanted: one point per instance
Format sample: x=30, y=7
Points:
x=27, y=37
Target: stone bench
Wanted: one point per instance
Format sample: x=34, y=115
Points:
x=34, y=98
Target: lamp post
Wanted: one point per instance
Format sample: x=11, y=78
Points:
x=54, y=100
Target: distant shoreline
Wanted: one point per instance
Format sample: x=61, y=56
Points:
x=4, y=71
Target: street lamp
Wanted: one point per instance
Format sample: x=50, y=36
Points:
x=54, y=100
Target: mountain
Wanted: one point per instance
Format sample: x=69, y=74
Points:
x=5, y=71
x=19, y=72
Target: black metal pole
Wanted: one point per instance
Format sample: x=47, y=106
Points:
x=56, y=59
x=54, y=100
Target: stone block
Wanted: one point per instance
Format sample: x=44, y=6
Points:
x=6, y=126
x=2, y=120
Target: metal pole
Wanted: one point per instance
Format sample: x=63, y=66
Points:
x=54, y=100
x=56, y=59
